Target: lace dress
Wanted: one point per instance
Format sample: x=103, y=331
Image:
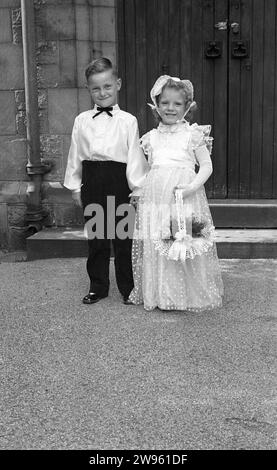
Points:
x=173, y=272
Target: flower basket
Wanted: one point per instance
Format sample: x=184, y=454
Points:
x=190, y=235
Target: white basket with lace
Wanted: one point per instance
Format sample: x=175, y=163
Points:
x=193, y=237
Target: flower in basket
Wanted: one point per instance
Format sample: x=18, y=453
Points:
x=197, y=227
x=178, y=244
x=202, y=228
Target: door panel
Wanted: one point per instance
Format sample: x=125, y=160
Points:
x=236, y=95
x=269, y=91
x=252, y=80
x=213, y=98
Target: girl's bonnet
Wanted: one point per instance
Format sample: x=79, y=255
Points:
x=161, y=82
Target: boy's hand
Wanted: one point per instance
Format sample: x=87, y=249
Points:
x=187, y=189
x=77, y=198
x=134, y=200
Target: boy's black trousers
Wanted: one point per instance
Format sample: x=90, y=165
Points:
x=101, y=179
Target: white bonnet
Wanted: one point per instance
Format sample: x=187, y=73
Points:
x=161, y=82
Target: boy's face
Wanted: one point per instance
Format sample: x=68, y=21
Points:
x=103, y=88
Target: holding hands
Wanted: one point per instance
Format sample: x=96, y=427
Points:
x=134, y=201
x=76, y=196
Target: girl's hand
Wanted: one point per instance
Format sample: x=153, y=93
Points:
x=77, y=198
x=187, y=189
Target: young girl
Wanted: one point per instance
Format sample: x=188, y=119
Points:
x=175, y=262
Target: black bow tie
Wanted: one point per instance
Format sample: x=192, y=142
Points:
x=103, y=110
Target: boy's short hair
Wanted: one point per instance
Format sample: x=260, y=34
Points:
x=98, y=66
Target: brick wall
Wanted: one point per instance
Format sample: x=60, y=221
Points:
x=69, y=33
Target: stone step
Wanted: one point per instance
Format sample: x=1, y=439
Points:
x=227, y=213
x=231, y=243
x=244, y=213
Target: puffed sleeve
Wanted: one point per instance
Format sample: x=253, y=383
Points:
x=73, y=173
x=145, y=143
x=201, y=136
x=137, y=166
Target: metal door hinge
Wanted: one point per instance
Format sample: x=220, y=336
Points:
x=221, y=25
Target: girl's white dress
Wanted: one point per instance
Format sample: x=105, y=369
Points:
x=174, y=269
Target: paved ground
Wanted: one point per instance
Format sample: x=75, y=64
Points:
x=111, y=376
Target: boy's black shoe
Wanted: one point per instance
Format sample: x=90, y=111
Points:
x=127, y=301
x=92, y=298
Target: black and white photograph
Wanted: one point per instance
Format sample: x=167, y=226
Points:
x=138, y=231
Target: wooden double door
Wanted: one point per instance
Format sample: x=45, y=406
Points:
x=228, y=49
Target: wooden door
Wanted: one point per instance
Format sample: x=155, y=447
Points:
x=228, y=49
x=252, y=136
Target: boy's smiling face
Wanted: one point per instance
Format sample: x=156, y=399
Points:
x=103, y=88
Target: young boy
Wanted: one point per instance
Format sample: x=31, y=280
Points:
x=104, y=161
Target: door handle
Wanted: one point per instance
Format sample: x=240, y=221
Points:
x=240, y=49
x=213, y=49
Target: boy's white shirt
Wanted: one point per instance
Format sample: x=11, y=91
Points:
x=106, y=138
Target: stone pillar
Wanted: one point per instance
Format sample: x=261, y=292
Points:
x=69, y=34
x=13, y=178
x=103, y=28
x=72, y=34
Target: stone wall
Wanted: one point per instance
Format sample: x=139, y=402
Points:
x=69, y=34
